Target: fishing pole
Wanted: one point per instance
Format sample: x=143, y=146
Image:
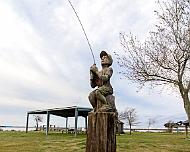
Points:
x=83, y=30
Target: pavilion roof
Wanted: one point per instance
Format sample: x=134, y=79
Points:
x=64, y=112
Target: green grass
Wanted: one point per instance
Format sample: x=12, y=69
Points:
x=58, y=142
x=153, y=142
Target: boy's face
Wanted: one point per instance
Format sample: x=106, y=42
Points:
x=104, y=60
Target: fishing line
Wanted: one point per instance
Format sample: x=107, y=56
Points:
x=83, y=30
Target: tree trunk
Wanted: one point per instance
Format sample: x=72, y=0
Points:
x=101, y=134
x=187, y=104
x=130, y=129
x=36, y=126
x=186, y=131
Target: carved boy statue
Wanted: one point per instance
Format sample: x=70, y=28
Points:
x=101, y=79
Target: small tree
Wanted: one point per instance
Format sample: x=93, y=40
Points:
x=37, y=118
x=151, y=121
x=170, y=125
x=130, y=116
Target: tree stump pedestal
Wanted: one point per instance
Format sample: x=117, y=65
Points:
x=101, y=134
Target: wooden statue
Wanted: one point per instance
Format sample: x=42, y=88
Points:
x=101, y=133
x=101, y=80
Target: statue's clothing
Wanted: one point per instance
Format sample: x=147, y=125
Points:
x=104, y=75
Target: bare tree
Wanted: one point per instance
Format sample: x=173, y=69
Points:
x=164, y=57
x=151, y=121
x=130, y=116
x=170, y=125
x=37, y=118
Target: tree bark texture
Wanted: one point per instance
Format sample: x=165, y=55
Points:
x=186, y=104
x=101, y=134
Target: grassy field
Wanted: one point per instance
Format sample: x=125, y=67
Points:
x=58, y=142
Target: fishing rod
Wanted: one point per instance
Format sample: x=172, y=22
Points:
x=83, y=30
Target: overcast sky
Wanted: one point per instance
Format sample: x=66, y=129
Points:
x=45, y=59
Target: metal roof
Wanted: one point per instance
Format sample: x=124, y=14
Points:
x=64, y=112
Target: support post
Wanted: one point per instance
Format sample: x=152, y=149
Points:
x=27, y=121
x=66, y=124
x=47, y=126
x=76, y=118
x=86, y=123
